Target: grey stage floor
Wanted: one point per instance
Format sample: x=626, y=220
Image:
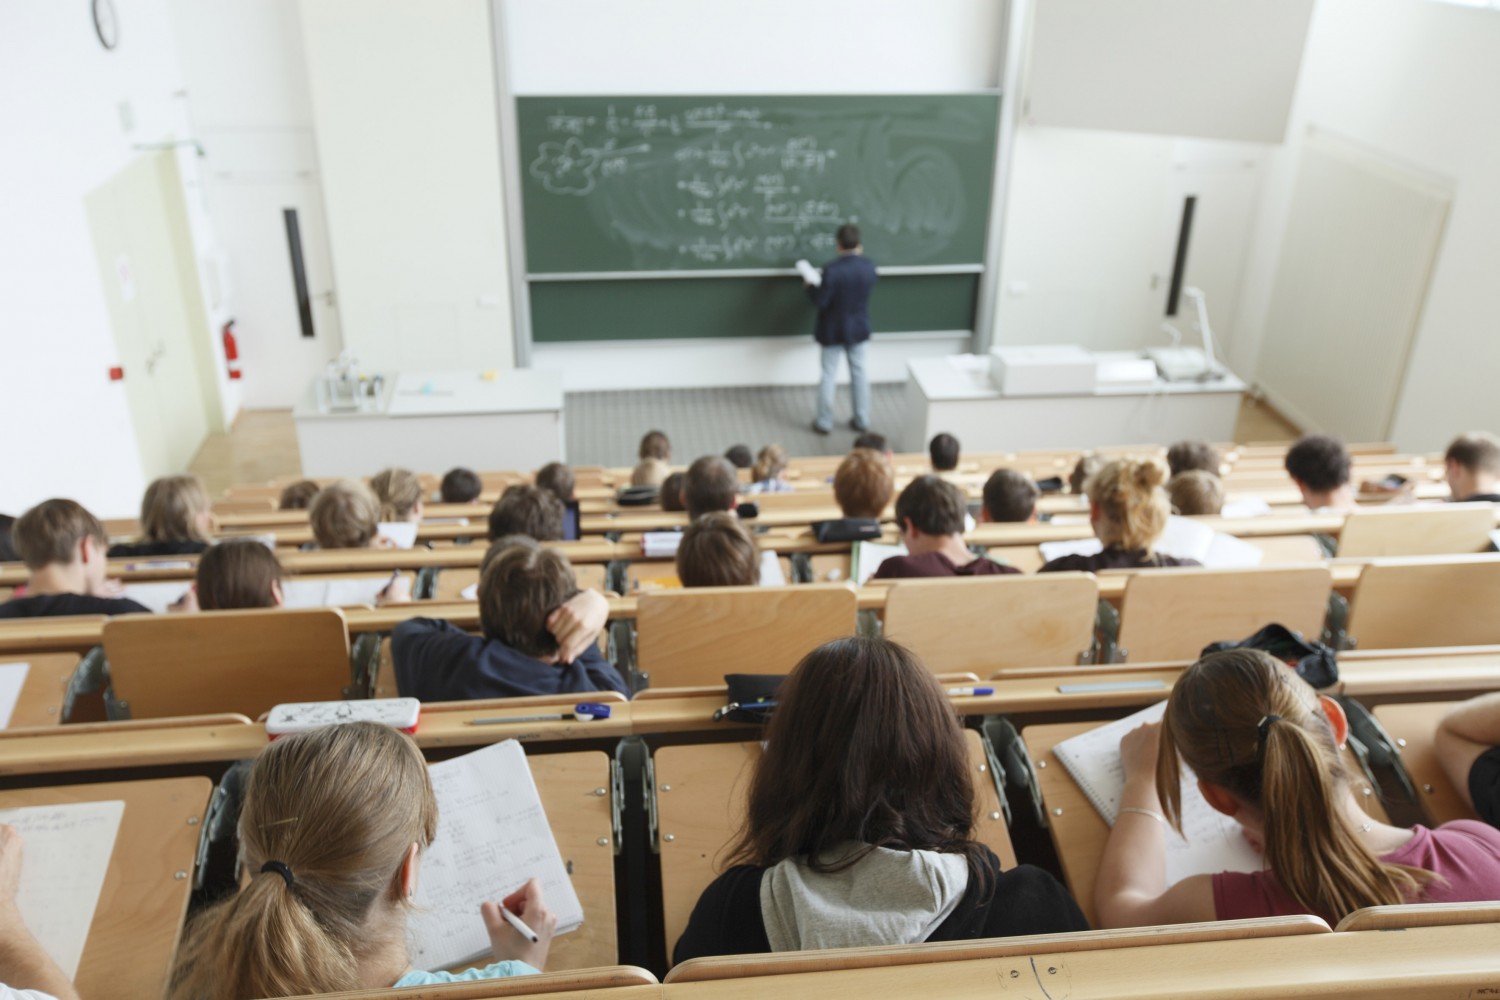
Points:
x=604, y=428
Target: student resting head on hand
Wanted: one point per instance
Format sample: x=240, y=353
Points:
x=859, y=825
x=331, y=836
x=1265, y=749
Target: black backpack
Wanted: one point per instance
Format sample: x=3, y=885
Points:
x=1315, y=663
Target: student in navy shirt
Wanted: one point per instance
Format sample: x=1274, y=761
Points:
x=63, y=546
x=843, y=301
x=540, y=635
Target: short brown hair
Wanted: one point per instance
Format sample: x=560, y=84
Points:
x=299, y=495
x=1196, y=492
x=398, y=491
x=460, y=485
x=170, y=509
x=49, y=532
x=503, y=543
x=711, y=484
x=237, y=573
x=519, y=589
x=1318, y=461
x=1477, y=451
x=1010, y=496
x=864, y=483
x=671, y=491
x=558, y=478
x=1185, y=456
x=717, y=551
x=344, y=515
x=943, y=450
x=524, y=509
x=933, y=505
x=655, y=445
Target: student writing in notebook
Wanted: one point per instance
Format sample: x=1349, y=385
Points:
x=1264, y=747
x=332, y=832
x=1128, y=511
x=27, y=972
x=859, y=825
x=346, y=515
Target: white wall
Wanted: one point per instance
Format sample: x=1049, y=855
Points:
x=403, y=101
x=1415, y=81
x=68, y=430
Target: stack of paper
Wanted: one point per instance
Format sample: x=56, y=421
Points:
x=660, y=544
x=1183, y=539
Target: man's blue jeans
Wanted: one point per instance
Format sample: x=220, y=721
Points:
x=858, y=377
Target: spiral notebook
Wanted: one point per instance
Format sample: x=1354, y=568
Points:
x=1212, y=842
x=492, y=836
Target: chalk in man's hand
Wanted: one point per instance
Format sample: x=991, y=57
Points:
x=810, y=274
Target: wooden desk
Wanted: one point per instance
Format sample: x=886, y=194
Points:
x=564, y=985
x=1414, y=728
x=1079, y=832
x=133, y=940
x=575, y=793
x=41, y=699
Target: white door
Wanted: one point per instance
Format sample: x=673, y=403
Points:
x=251, y=211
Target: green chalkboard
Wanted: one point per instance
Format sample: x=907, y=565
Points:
x=618, y=184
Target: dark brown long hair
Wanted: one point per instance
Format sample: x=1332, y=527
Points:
x=865, y=747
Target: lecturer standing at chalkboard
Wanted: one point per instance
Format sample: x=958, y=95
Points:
x=843, y=301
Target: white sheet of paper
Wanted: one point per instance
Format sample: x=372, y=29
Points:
x=1071, y=547
x=869, y=555
x=67, y=852
x=12, y=678
x=470, y=593
x=1212, y=842
x=1251, y=507
x=403, y=533
x=492, y=836
x=317, y=592
x=810, y=274
x=1229, y=552
x=770, y=570
x=660, y=544
x=157, y=595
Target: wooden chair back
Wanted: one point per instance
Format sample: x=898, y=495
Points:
x=701, y=792
x=1403, y=916
x=988, y=623
x=582, y=981
x=1450, y=529
x=1414, y=728
x=1404, y=603
x=226, y=661
x=692, y=637
x=1171, y=614
x=697, y=970
x=575, y=792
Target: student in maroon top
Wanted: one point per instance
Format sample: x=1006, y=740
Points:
x=1264, y=747
x=930, y=513
x=1128, y=510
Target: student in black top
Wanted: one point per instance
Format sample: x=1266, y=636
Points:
x=540, y=635
x=63, y=547
x=1128, y=510
x=859, y=826
x=176, y=519
x=1468, y=747
x=930, y=514
x=1472, y=464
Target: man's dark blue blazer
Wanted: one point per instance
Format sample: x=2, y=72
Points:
x=843, y=300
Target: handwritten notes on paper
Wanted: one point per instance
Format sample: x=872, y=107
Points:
x=492, y=836
x=67, y=852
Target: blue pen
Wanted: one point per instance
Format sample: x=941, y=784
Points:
x=971, y=691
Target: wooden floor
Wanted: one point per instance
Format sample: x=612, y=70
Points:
x=262, y=445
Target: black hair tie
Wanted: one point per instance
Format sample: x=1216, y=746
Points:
x=1264, y=727
x=280, y=869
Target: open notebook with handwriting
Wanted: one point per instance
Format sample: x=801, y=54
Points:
x=1212, y=842
x=492, y=836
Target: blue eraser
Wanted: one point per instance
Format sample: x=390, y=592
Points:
x=584, y=711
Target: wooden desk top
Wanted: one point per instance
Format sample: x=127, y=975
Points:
x=1414, y=728
x=133, y=940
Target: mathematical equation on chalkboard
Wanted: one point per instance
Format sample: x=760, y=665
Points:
x=713, y=184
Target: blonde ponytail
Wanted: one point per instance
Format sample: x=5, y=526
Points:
x=398, y=492
x=328, y=818
x=1133, y=506
x=1245, y=722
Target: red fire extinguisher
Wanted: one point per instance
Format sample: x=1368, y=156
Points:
x=231, y=351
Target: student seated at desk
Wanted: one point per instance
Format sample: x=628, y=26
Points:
x=1083, y=470
x=540, y=636
x=558, y=480
x=1190, y=456
x=298, y=496
x=527, y=510
x=710, y=484
x=1468, y=746
x=863, y=485
x=331, y=834
x=1009, y=498
x=859, y=825
x=768, y=474
x=1196, y=492
x=238, y=573
x=346, y=515
x=1264, y=747
x=649, y=472
x=63, y=547
x=943, y=451
x=460, y=485
x=930, y=512
x=717, y=551
x=876, y=442
x=1319, y=465
x=671, y=492
x=27, y=972
x=1128, y=511
x=1472, y=466
x=739, y=456
x=176, y=519
x=655, y=444
x=400, y=495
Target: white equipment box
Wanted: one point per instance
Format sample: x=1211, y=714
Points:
x=1053, y=370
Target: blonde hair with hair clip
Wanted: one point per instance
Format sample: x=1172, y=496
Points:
x=171, y=508
x=1242, y=720
x=339, y=807
x=1133, y=507
x=398, y=491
